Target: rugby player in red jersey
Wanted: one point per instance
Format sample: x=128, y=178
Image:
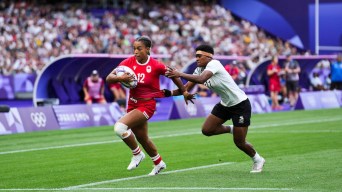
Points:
x=274, y=71
x=133, y=127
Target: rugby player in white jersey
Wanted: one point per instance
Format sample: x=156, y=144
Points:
x=234, y=103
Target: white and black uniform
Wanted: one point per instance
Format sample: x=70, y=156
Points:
x=234, y=102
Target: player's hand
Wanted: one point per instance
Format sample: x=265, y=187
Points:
x=127, y=78
x=171, y=72
x=188, y=97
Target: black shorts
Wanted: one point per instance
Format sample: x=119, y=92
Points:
x=292, y=86
x=240, y=113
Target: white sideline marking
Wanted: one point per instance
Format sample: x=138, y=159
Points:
x=156, y=188
x=299, y=131
x=33, y=189
x=143, y=176
x=91, y=143
x=194, y=188
x=84, y=186
x=171, y=135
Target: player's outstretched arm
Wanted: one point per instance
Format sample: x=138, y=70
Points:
x=182, y=90
x=187, y=96
x=205, y=75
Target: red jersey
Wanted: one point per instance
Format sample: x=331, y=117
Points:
x=232, y=70
x=274, y=78
x=148, y=77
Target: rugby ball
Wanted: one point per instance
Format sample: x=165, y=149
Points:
x=120, y=70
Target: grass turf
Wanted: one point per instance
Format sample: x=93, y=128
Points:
x=302, y=151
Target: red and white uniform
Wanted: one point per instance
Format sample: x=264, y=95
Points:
x=142, y=96
x=94, y=88
x=274, y=80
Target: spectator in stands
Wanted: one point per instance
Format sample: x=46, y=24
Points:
x=233, y=70
x=327, y=82
x=31, y=41
x=93, y=88
x=292, y=70
x=336, y=73
x=234, y=102
x=274, y=71
x=283, y=89
x=242, y=74
x=316, y=82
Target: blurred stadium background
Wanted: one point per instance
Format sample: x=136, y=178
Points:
x=48, y=48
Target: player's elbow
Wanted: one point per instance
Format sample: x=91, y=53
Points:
x=108, y=79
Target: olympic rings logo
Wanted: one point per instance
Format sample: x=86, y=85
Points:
x=39, y=119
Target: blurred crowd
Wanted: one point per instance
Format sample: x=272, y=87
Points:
x=33, y=35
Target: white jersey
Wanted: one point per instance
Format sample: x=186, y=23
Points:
x=222, y=84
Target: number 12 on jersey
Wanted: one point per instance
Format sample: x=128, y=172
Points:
x=141, y=77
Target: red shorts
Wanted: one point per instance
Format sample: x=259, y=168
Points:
x=115, y=85
x=275, y=87
x=146, y=107
x=95, y=100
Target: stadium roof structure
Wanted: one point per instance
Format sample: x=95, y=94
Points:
x=76, y=67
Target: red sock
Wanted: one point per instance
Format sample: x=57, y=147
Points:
x=156, y=159
x=136, y=151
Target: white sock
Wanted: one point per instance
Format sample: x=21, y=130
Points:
x=256, y=157
x=231, y=129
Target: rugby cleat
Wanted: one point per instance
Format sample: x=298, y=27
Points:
x=158, y=168
x=136, y=160
x=258, y=165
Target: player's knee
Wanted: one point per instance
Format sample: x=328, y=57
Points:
x=207, y=132
x=122, y=130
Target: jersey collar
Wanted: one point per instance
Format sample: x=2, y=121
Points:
x=148, y=59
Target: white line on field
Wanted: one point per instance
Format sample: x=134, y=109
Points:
x=298, y=131
x=91, y=143
x=144, y=176
x=156, y=188
x=171, y=135
x=32, y=189
x=193, y=188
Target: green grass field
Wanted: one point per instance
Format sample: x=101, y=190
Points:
x=303, y=152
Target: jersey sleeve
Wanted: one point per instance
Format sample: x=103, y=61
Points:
x=212, y=66
x=161, y=68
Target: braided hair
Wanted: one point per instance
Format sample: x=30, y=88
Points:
x=146, y=41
